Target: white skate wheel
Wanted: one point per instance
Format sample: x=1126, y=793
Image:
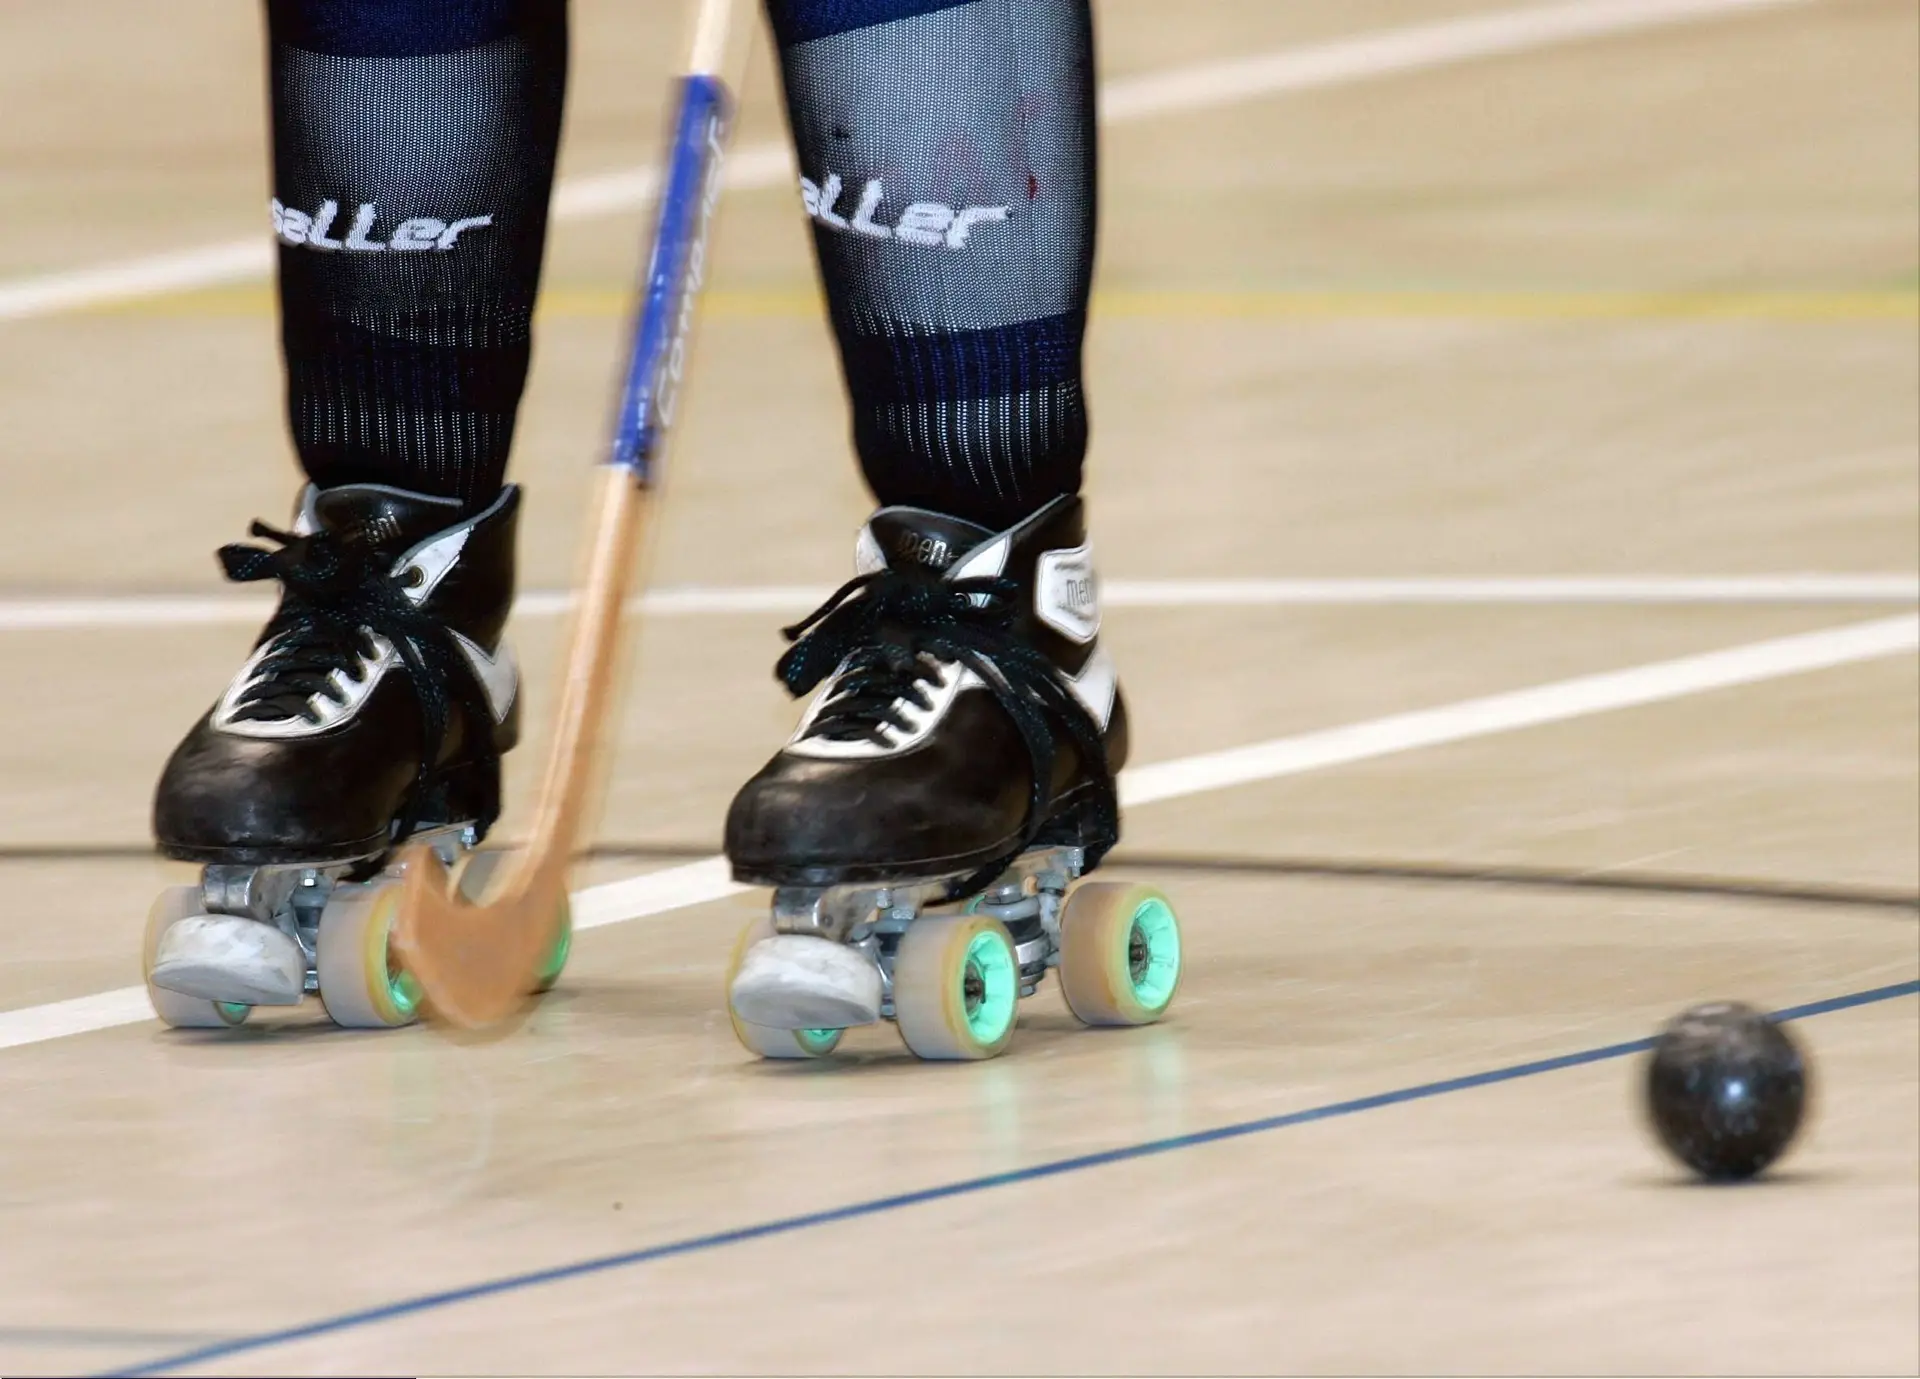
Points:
x=758, y=1039
x=361, y=983
x=956, y=986
x=182, y=1012
x=1119, y=953
x=476, y=876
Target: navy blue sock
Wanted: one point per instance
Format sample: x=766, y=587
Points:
x=947, y=158
x=413, y=153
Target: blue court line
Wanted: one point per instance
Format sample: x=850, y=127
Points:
x=428, y=1302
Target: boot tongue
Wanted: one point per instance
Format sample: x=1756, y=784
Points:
x=913, y=538
x=387, y=519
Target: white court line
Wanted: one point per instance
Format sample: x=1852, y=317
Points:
x=1547, y=589
x=151, y=610
x=697, y=883
x=1528, y=708
x=1124, y=100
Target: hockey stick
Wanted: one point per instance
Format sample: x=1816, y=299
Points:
x=476, y=963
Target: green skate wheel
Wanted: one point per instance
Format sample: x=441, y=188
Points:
x=361, y=981
x=556, y=960
x=956, y=987
x=758, y=1039
x=183, y=1012
x=1119, y=953
x=475, y=877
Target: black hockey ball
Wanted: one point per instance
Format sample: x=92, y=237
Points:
x=1726, y=1090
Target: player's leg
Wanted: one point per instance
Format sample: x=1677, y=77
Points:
x=413, y=153
x=947, y=157
x=966, y=713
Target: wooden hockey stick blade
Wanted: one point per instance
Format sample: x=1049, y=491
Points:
x=473, y=962
x=476, y=963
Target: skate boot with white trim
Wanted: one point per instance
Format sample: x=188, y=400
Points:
x=950, y=782
x=373, y=710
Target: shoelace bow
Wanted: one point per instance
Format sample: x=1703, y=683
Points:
x=888, y=631
x=335, y=598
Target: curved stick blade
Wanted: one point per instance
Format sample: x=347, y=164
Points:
x=476, y=963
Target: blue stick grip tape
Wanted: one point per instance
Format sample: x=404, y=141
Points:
x=675, y=271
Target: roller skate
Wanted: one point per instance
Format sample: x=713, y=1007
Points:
x=373, y=710
x=926, y=828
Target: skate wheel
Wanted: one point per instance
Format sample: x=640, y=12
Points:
x=956, y=986
x=183, y=1012
x=1119, y=953
x=474, y=879
x=556, y=960
x=361, y=983
x=758, y=1039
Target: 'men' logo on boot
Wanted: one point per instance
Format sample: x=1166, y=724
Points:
x=1066, y=596
x=418, y=234
x=932, y=224
x=928, y=552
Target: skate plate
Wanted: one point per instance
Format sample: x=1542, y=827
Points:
x=872, y=919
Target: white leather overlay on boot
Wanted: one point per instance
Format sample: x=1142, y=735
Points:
x=987, y=562
x=941, y=692
x=1066, y=596
x=498, y=674
x=354, y=690
x=868, y=558
x=1096, y=685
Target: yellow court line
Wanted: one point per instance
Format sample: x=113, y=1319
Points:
x=1350, y=304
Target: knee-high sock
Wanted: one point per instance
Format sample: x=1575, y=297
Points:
x=413, y=153
x=947, y=158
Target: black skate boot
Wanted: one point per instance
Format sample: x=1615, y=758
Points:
x=374, y=709
x=962, y=748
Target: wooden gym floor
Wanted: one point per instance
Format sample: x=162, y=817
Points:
x=1633, y=304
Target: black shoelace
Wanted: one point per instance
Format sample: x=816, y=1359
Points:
x=336, y=597
x=887, y=632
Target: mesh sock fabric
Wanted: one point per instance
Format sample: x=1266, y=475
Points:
x=413, y=153
x=947, y=161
